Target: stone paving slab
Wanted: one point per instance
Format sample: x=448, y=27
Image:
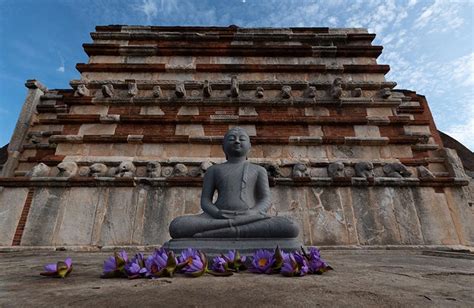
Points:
x=361, y=278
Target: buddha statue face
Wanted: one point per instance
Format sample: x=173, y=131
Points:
x=236, y=143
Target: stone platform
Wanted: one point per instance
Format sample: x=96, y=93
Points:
x=244, y=246
x=362, y=278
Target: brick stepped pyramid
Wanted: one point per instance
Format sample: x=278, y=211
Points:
x=113, y=159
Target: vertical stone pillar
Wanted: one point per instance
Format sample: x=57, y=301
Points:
x=35, y=90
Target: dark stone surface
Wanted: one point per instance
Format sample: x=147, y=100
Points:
x=245, y=246
x=3, y=154
x=362, y=278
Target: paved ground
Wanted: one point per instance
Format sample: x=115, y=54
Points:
x=361, y=278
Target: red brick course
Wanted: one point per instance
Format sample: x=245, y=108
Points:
x=23, y=217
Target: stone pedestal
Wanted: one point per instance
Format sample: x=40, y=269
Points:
x=214, y=246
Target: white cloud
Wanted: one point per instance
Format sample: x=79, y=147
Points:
x=61, y=67
x=149, y=8
x=462, y=70
x=332, y=21
x=441, y=16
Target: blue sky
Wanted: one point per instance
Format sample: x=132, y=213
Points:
x=429, y=44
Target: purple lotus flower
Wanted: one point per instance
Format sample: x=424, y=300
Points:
x=114, y=266
x=219, y=265
x=59, y=270
x=193, y=262
x=136, y=267
x=161, y=263
x=262, y=262
x=294, y=265
x=234, y=260
x=315, y=263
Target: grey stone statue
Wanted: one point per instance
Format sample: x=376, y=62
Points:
x=108, y=90
x=82, y=90
x=243, y=198
x=180, y=90
x=286, y=91
x=207, y=89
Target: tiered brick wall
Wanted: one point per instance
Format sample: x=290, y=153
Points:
x=367, y=122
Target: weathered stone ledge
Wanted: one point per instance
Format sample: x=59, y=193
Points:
x=234, y=31
x=197, y=182
x=227, y=101
x=229, y=49
x=294, y=140
x=237, y=68
x=276, y=120
x=196, y=161
x=225, y=84
x=149, y=248
x=314, y=37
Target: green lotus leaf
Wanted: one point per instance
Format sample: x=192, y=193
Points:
x=278, y=260
x=119, y=261
x=62, y=269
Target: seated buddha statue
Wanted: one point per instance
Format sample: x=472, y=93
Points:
x=243, y=199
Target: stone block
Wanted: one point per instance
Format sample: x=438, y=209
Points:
x=247, y=111
x=85, y=109
x=257, y=151
x=251, y=130
x=99, y=149
x=316, y=111
x=221, y=246
x=366, y=131
x=120, y=218
x=97, y=129
x=294, y=152
x=379, y=112
x=327, y=217
x=44, y=128
x=315, y=130
x=151, y=150
x=435, y=218
x=162, y=206
x=71, y=149
x=124, y=149
x=12, y=201
x=316, y=152
x=400, y=151
x=462, y=214
x=188, y=110
x=41, y=224
x=151, y=110
x=291, y=202
x=184, y=150
x=374, y=214
x=193, y=130
x=406, y=216
x=272, y=151
x=417, y=130
x=75, y=225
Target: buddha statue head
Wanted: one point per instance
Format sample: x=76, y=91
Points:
x=236, y=143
